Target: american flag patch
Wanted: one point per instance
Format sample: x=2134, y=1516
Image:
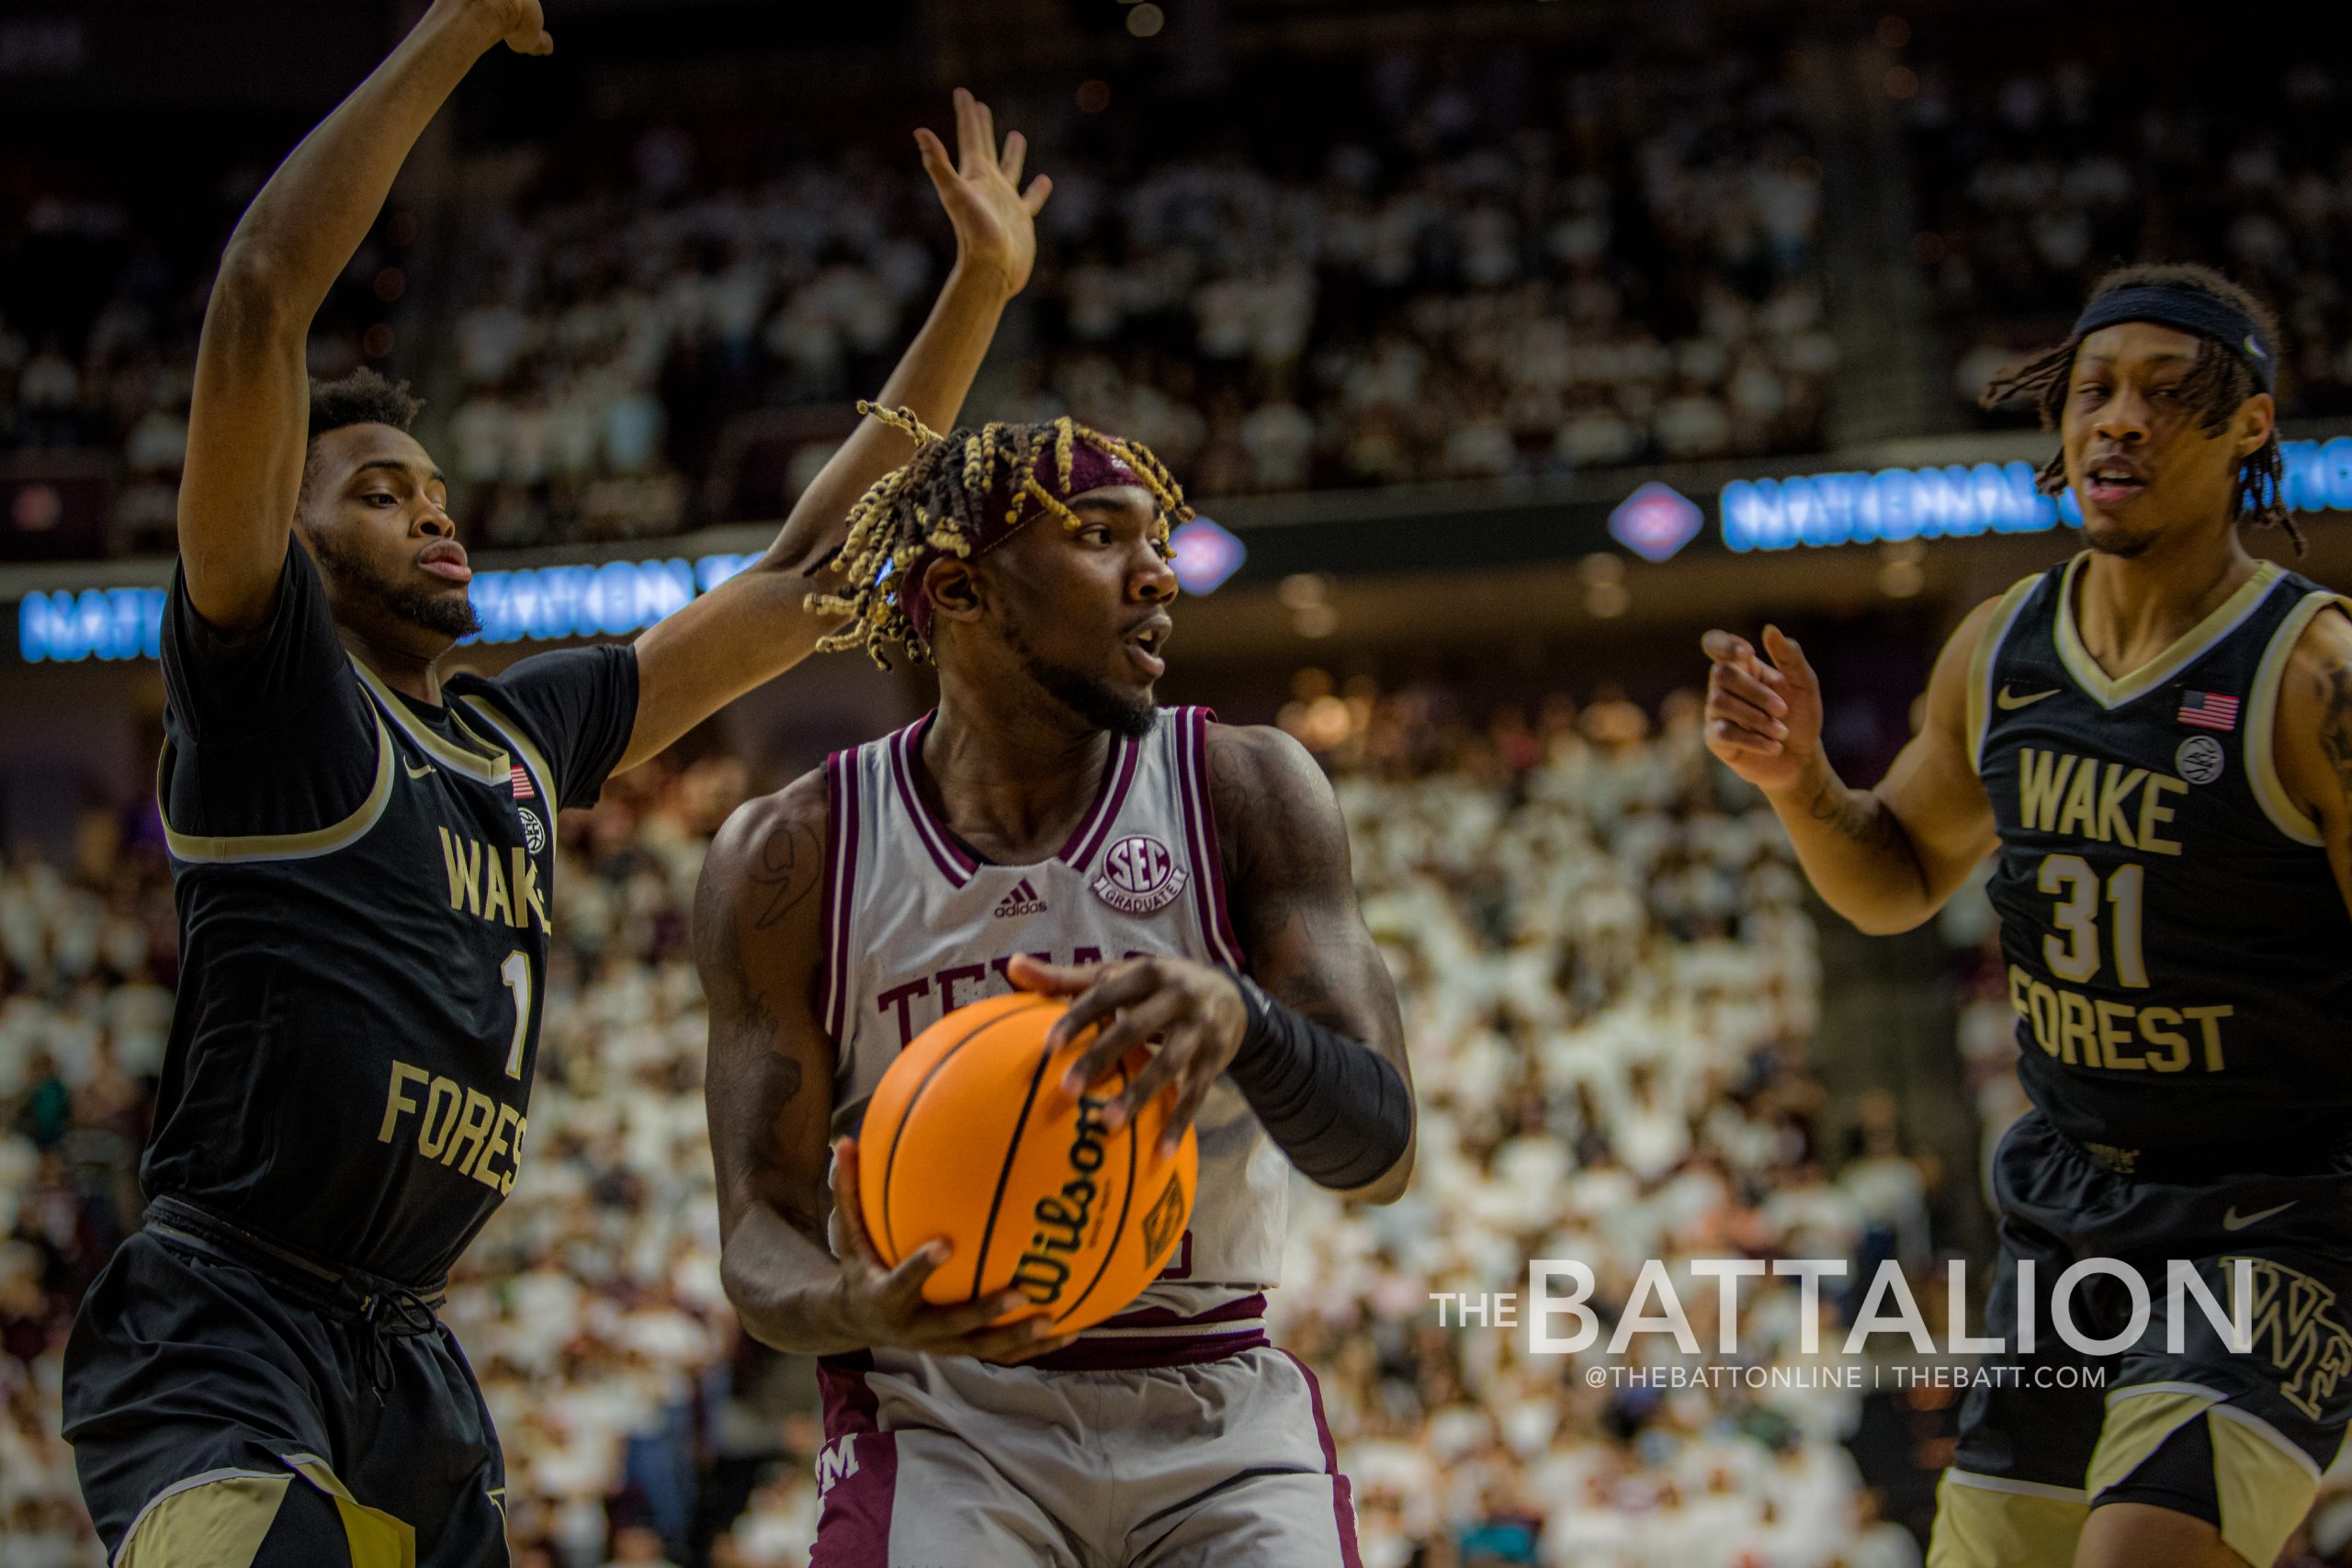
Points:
x=523, y=790
x=2209, y=710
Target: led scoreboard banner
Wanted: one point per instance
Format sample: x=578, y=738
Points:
x=1960, y=500
x=544, y=604
x=533, y=605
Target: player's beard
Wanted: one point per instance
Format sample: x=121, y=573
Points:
x=2115, y=540
x=1091, y=698
x=451, y=614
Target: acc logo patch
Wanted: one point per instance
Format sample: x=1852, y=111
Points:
x=1139, y=875
x=2200, y=759
x=535, y=832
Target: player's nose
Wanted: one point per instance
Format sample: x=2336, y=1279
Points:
x=1155, y=580
x=2125, y=417
x=435, y=521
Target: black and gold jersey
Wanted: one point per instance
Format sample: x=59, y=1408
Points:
x=2175, y=940
x=365, y=886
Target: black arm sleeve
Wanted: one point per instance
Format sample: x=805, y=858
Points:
x=269, y=732
x=580, y=705
x=1337, y=1107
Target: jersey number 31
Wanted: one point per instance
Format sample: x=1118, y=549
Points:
x=2072, y=951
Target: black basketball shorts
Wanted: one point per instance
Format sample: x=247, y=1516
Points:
x=2238, y=1439
x=199, y=1399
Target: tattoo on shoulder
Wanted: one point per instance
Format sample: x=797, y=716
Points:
x=2335, y=682
x=789, y=866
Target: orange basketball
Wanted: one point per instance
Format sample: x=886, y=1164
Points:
x=970, y=1137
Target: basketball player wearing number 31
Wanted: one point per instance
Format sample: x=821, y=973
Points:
x=1047, y=826
x=2156, y=738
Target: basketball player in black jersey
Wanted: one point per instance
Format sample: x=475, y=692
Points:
x=2155, y=740
x=363, y=849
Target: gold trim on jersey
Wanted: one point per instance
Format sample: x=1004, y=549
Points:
x=536, y=764
x=494, y=768
x=2113, y=692
x=1981, y=664
x=2262, y=719
x=206, y=850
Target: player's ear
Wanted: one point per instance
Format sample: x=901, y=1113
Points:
x=2258, y=418
x=955, y=588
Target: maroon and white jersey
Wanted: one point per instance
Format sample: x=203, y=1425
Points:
x=917, y=925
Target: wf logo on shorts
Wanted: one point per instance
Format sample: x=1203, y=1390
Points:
x=2296, y=1332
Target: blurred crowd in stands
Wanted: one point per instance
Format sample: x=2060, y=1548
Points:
x=105, y=264
x=1393, y=296
x=1398, y=269
x=1357, y=274
x=1610, y=987
x=2032, y=180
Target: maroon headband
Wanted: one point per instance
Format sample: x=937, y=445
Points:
x=1005, y=511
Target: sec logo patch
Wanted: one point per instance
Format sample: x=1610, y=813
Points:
x=533, y=832
x=2200, y=759
x=1139, y=875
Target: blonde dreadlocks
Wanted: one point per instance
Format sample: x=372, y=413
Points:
x=935, y=505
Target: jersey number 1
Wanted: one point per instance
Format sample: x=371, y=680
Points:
x=2076, y=958
x=517, y=973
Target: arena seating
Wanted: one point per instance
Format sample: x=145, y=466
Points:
x=2032, y=179
x=1608, y=985
x=1468, y=270
x=1393, y=301
x=106, y=264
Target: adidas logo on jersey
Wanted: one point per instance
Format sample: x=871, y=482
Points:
x=1022, y=900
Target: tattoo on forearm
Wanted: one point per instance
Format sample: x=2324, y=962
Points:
x=790, y=864
x=1860, y=816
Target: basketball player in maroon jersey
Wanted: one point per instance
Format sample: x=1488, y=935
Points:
x=1047, y=826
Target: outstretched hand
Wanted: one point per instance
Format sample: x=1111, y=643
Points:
x=1763, y=719
x=995, y=219
x=1194, y=1012
x=520, y=25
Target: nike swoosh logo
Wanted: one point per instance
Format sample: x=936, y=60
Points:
x=416, y=772
x=2233, y=1221
x=2010, y=703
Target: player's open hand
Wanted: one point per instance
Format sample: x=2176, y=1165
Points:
x=520, y=25
x=1194, y=1012
x=995, y=219
x=879, y=1305
x=1763, y=714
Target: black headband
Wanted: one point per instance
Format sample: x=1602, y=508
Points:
x=2191, y=311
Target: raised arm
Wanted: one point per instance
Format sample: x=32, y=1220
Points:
x=1885, y=858
x=757, y=625
x=758, y=943
x=2312, y=742
x=1311, y=1035
x=248, y=423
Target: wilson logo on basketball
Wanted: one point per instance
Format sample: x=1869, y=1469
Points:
x=1140, y=876
x=1022, y=900
x=1064, y=1218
